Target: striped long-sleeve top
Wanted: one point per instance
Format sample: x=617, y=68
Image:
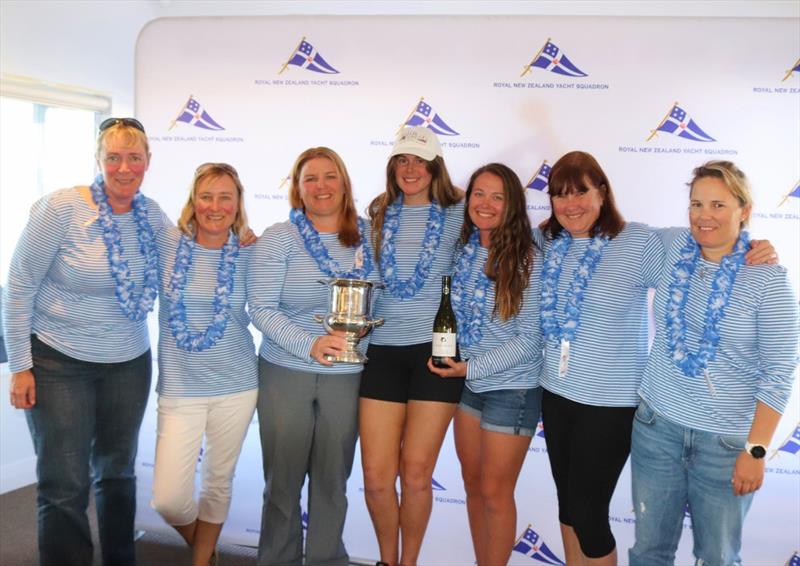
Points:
x=755, y=359
x=509, y=354
x=60, y=285
x=607, y=357
x=410, y=321
x=230, y=365
x=284, y=295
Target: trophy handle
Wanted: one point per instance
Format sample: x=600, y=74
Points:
x=319, y=318
x=324, y=281
x=374, y=322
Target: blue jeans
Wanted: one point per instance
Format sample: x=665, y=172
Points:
x=673, y=466
x=85, y=429
x=509, y=411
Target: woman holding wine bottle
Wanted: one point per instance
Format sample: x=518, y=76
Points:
x=405, y=410
x=494, y=294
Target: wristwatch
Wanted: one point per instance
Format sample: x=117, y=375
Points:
x=757, y=451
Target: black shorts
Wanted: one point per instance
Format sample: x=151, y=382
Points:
x=400, y=374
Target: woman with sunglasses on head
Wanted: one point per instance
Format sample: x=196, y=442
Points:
x=307, y=405
x=405, y=410
x=495, y=298
x=82, y=279
x=596, y=273
x=208, y=372
x=718, y=378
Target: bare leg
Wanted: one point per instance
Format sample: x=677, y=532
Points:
x=502, y=456
x=426, y=425
x=572, y=549
x=467, y=432
x=205, y=542
x=381, y=428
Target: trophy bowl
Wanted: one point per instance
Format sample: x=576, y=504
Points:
x=348, y=314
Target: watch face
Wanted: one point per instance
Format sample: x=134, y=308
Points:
x=758, y=452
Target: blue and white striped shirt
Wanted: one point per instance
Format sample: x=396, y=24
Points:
x=756, y=356
x=230, y=365
x=509, y=355
x=410, y=321
x=60, y=286
x=284, y=295
x=608, y=354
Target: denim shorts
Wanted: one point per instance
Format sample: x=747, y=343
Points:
x=510, y=411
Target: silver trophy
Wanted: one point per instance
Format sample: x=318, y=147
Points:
x=348, y=313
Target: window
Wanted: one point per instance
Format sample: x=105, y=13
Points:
x=47, y=142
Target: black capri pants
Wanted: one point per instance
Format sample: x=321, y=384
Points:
x=587, y=447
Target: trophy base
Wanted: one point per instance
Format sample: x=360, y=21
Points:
x=347, y=358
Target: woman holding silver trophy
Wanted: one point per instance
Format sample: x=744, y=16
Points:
x=309, y=378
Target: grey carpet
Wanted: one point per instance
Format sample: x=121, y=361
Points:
x=18, y=538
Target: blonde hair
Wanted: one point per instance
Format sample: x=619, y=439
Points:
x=127, y=135
x=733, y=178
x=348, y=221
x=186, y=222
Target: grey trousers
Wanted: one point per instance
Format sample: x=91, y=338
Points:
x=309, y=425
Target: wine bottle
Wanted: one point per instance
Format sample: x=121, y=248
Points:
x=445, y=344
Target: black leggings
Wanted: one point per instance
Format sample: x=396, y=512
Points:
x=587, y=447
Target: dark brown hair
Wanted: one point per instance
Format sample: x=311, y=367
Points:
x=576, y=171
x=441, y=189
x=510, y=258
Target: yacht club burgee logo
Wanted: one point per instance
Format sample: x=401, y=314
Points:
x=538, y=181
x=194, y=114
x=531, y=544
x=551, y=58
x=306, y=57
x=795, y=69
x=776, y=89
x=424, y=115
x=678, y=123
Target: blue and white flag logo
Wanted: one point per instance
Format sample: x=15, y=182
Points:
x=538, y=181
x=436, y=486
x=424, y=115
x=540, y=428
x=530, y=544
x=304, y=520
x=794, y=560
x=193, y=113
x=306, y=57
x=794, y=193
x=791, y=444
x=678, y=122
x=795, y=69
x=551, y=58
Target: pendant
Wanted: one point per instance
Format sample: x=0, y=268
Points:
x=563, y=360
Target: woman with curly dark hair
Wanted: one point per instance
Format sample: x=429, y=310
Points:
x=494, y=295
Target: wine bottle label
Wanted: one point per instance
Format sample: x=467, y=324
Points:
x=444, y=344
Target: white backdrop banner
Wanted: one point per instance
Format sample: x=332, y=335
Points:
x=651, y=98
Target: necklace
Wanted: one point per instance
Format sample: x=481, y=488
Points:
x=317, y=250
x=469, y=312
x=690, y=364
x=433, y=233
x=190, y=340
x=551, y=271
x=133, y=307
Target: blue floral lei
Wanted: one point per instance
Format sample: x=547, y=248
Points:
x=469, y=312
x=190, y=340
x=692, y=365
x=133, y=307
x=551, y=271
x=388, y=264
x=317, y=250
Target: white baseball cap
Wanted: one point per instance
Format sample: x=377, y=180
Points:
x=418, y=141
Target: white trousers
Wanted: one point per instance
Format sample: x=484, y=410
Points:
x=182, y=424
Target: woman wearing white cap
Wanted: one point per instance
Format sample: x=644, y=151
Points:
x=404, y=408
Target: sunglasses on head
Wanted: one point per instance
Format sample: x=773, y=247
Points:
x=129, y=122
